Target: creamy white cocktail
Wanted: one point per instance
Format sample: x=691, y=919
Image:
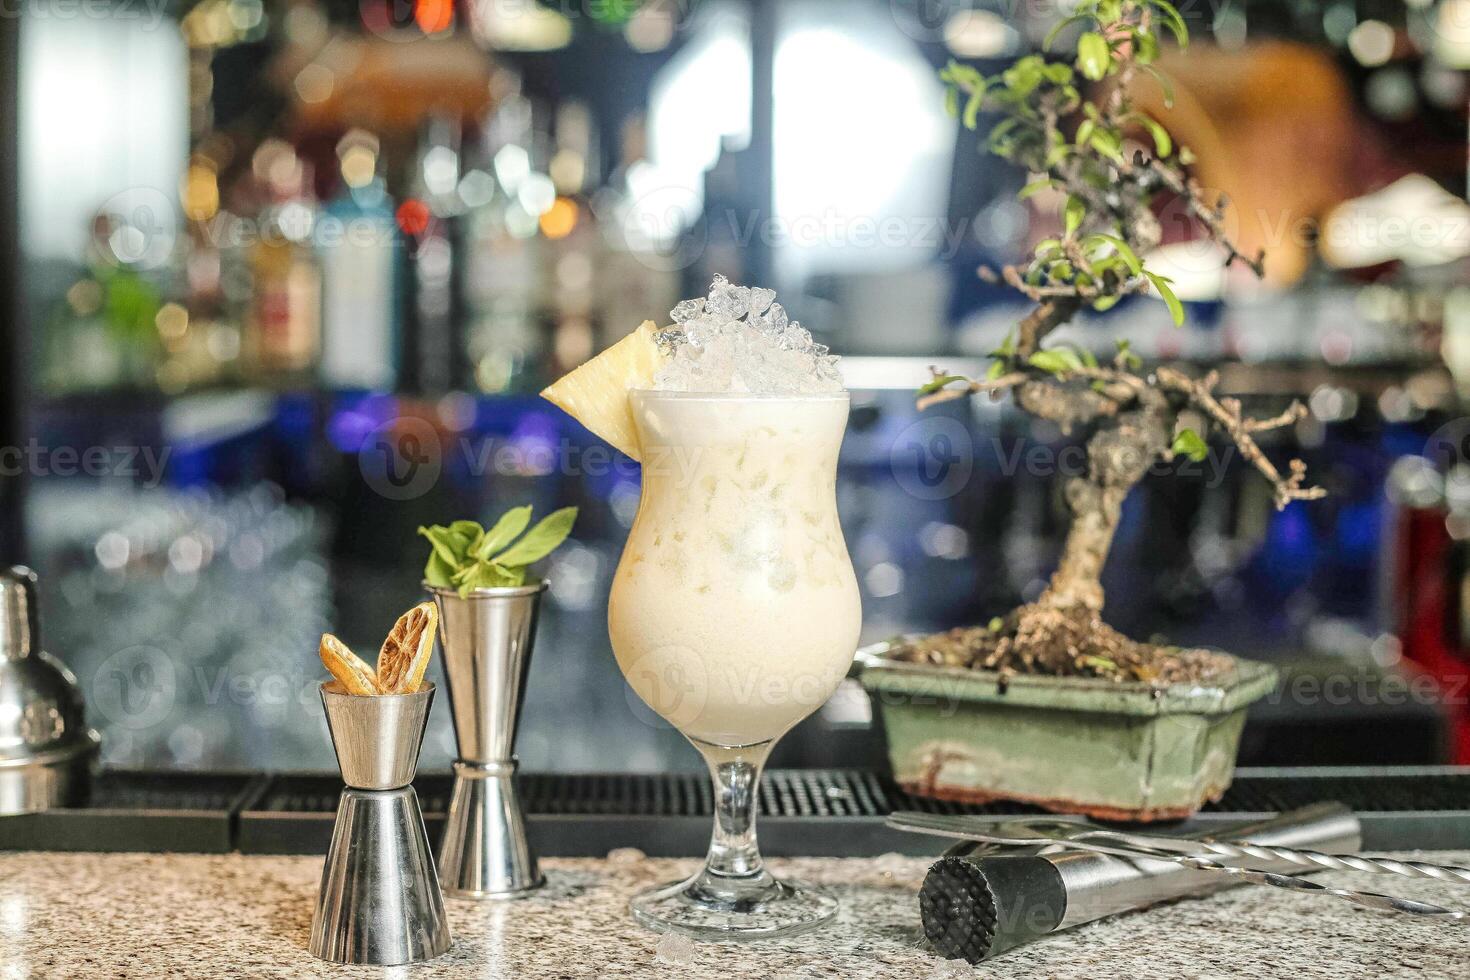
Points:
x=734, y=612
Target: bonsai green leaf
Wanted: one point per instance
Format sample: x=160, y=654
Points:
x=1176, y=308
x=506, y=530
x=1124, y=250
x=1055, y=361
x=1035, y=187
x=1058, y=73
x=952, y=102
x=1172, y=19
x=1094, y=57
x=1162, y=143
x=1105, y=303
x=1188, y=443
x=1145, y=47
x=1051, y=35
x=1099, y=663
x=972, y=108
x=1072, y=215
x=1108, y=144
x=1163, y=84
x=1126, y=355
x=540, y=541
x=996, y=369
x=1084, y=131
x=940, y=382
x=995, y=624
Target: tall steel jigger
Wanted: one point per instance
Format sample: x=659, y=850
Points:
x=379, y=901
x=487, y=638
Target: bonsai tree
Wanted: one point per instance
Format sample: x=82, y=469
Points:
x=1080, y=145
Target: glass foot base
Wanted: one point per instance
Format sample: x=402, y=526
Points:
x=721, y=909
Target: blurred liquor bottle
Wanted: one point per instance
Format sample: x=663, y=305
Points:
x=432, y=215
x=103, y=334
x=641, y=221
x=283, y=331
x=573, y=243
x=504, y=291
x=361, y=257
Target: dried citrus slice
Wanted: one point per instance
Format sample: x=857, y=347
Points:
x=596, y=394
x=355, y=676
x=406, y=652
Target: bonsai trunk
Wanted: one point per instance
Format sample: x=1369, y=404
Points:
x=1118, y=456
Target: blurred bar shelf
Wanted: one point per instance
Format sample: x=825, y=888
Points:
x=815, y=812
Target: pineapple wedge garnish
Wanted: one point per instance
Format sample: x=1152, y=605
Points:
x=596, y=394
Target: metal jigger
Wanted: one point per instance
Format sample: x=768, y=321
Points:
x=487, y=638
x=379, y=901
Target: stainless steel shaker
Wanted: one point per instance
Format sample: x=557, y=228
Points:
x=46, y=748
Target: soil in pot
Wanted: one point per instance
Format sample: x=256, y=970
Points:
x=1070, y=642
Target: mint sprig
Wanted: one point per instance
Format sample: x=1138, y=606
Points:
x=465, y=556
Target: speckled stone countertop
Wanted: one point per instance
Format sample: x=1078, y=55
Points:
x=116, y=916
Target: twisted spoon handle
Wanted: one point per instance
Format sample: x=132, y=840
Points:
x=1367, y=900
x=1314, y=860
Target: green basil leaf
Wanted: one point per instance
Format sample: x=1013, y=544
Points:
x=506, y=530
x=438, y=572
x=445, y=544
x=540, y=541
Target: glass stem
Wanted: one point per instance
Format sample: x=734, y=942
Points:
x=736, y=772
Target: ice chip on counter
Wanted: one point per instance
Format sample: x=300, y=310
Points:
x=675, y=949
x=626, y=855
x=739, y=339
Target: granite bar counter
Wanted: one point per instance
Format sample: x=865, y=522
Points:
x=84, y=916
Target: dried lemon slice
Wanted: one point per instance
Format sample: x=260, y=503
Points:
x=406, y=652
x=355, y=676
x=596, y=394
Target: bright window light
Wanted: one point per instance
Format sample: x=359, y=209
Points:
x=862, y=143
x=102, y=125
x=699, y=101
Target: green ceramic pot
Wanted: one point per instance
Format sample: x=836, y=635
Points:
x=1068, y=744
